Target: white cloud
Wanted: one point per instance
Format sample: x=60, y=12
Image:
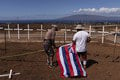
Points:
x=103, y=10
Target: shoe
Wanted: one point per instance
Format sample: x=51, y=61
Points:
x=50, y=66
x=48, y=62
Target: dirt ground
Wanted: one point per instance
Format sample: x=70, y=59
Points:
x=30, y=60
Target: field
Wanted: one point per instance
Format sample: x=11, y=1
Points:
x=28, y=58
x=103, y=62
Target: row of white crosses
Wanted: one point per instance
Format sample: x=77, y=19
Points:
x=103, y=34
x=65, y=33
x=41, y=30
x=18, y=31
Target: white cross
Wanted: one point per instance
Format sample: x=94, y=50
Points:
x=10, y=74
x=41, y=30
x=18, y=29
x=8, y=29
x=28, y=29
x=115, y=37
x=1, y=27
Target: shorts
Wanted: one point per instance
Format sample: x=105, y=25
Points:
x=48, y=47
x=82, y=53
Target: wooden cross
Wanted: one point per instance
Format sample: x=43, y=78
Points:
x=41, y=30
x=18, y=29
x=10, y=74
x=8, y=29
x=28, y=29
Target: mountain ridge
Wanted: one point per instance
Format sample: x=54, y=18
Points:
x=86, y=17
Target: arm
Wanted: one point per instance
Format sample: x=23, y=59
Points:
x=88, y=39
x=74, y=42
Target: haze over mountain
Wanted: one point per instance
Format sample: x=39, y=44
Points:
x=86, y=17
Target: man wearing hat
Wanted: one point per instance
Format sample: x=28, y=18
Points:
x=80, y=40
x=49, y=44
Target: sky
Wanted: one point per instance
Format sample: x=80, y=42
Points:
x=34, y=9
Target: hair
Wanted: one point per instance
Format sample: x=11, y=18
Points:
x=79, y=29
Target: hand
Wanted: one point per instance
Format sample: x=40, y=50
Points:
x=56, y=47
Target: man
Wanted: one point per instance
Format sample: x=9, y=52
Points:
x=80, y=40
x=49, y=44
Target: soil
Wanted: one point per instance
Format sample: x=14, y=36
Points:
x=30, y=60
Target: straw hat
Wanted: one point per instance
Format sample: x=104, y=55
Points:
x=79, y=27
x=53, y=25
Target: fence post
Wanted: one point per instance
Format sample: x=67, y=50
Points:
x=103, y=30
x=90, y=30
x=65, y=35
x=9, y=31
x=18, y=31
x=115, y=37
x=28, y=26
x=41, y=31
x=5, y=41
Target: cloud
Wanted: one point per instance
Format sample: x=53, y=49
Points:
x=103, y=11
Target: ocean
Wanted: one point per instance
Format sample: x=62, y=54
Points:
x=53, y=21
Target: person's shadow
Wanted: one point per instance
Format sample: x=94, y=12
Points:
x=90, y=62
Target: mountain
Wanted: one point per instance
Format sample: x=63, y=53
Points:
x=67, y=19
x=89, y=18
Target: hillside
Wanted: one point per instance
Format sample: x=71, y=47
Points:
x=83, y=17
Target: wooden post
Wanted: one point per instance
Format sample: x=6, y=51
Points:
x=115, y=37
x=90, y=30
x=9, y=31
x=10, y=75
x=28, y=31
x=28, y=26
x=41, y=30
x=18, y=31
x=5, y=41
x=103, y=30
x=65, y=35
